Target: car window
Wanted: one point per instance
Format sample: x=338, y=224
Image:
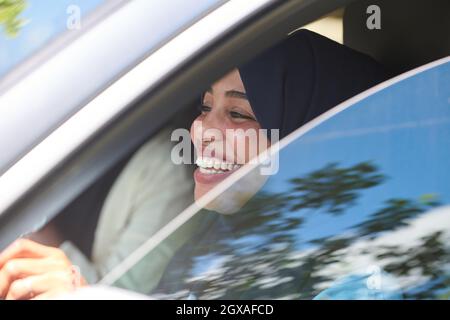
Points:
x=359, y=209
x=28, y=25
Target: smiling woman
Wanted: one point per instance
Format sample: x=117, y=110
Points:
x=281, y=89
x=220, y=133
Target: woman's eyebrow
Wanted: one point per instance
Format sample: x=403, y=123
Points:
x=236, y=94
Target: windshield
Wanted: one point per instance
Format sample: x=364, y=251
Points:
x=359, y=209
x=29, y=25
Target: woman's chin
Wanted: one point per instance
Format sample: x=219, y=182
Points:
x=233, y=198
x=205, y=182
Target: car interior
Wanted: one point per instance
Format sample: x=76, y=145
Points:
x=413, y=32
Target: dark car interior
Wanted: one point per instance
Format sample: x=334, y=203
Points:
x=412, y=33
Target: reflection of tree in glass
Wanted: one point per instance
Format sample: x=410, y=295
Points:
x=431, y=257
x=9, y=15
x=394, y=215
x=265, y=257
x=261, y=257
x=333, y=188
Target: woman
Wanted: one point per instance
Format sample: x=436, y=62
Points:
x=281, y=89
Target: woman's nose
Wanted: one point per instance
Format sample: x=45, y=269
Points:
x=207, y=140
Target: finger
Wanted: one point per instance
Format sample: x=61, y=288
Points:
x=24, y=248
x=34, y=286
x=22, y=268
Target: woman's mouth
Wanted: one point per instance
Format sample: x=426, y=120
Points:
x=212, y=170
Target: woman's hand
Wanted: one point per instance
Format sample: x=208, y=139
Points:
x=29, y=270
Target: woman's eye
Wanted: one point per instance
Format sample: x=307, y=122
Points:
x=204, y=108
x=238, y=115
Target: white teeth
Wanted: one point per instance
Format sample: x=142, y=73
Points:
x=210, y=171
x=212, y=165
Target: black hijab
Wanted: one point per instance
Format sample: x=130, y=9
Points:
x=304, y=76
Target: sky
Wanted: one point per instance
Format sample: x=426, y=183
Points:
x=46, y=19
x=404, y=130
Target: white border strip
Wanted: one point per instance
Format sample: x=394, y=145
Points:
x=189, y=212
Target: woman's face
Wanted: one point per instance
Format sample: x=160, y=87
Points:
x=226, y=134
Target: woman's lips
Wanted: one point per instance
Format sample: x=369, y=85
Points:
x=207, y=178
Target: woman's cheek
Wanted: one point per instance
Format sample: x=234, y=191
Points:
x=245, y=142
x=196, y=132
